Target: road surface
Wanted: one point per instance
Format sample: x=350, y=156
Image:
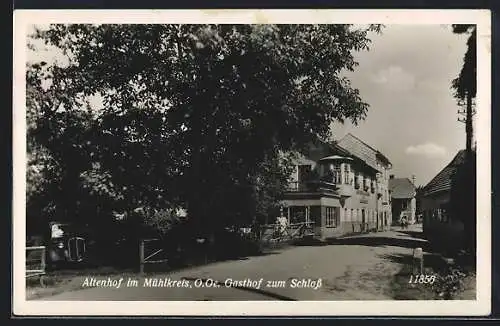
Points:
x=355, y=268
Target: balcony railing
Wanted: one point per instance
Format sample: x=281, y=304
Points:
x=345, y=190
x=311, y=185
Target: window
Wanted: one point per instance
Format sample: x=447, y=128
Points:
x=346, y=214
x=357, y=180
x=440, y=215
x=347, y=174
x=303, y=172
x=444, y=215
x=366, y=183
x=331, y=219
x=404, y=205
x=336, y=174
x=297, y=214
x=353, y=217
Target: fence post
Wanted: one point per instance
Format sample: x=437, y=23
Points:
x=418, y=261
x=43, y=262
x=141, y=256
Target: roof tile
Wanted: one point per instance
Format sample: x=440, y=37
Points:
x=401, y=188
x=442, y=181
x=360, y=149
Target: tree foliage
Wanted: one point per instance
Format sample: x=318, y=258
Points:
x=466, y=82
x=190, y=115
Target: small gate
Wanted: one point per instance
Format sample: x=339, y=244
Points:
x=151, y=252
x=76, y=249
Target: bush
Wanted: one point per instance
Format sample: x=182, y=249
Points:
x=449, y=285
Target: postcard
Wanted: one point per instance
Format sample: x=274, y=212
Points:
x=251, y=163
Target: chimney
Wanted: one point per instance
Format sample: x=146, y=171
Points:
x=413, y=179
x=391, y=176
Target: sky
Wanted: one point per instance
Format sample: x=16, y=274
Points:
x=405, y=77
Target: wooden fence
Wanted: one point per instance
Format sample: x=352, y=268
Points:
x=35, y=262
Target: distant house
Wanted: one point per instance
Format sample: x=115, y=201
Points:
x=436, y=200
x=403, y=194
x=342, y=187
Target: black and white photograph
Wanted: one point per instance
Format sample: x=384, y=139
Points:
x=252, y=158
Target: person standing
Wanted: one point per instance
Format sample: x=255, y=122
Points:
x=404, y=222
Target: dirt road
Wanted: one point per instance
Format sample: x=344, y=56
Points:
x=355, y=268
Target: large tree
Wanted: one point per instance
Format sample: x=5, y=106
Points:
x=196, y=115
x=463, y=193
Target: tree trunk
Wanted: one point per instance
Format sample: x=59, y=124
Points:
x=468, y=126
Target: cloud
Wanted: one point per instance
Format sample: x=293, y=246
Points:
x=427, y=149
x=394, y=78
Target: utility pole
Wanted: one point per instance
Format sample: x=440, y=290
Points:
x=468, y=113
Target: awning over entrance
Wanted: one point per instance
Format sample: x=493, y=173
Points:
x=336, y=158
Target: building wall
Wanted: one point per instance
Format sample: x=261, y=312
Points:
x=438, y=226
x=348, y=212
x=430, y=205
x=377, y=208
x=404, y=206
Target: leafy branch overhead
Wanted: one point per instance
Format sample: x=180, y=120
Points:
x=190, y=114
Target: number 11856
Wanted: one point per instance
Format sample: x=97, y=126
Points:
x=422, y=279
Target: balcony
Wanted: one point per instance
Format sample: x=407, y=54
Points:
x=344, y=190
x=311, y=186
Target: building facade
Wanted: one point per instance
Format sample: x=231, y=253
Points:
x=341, y=188
x=404, y=203
x=435, y=204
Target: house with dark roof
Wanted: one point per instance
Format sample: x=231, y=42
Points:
x=436, y=200
x=403, y=196
x=341, y=187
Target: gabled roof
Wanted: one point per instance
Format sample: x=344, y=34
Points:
x=402, y=188
x=442, y=181
x=362, y=150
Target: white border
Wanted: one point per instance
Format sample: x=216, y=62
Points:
x=481, y=306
